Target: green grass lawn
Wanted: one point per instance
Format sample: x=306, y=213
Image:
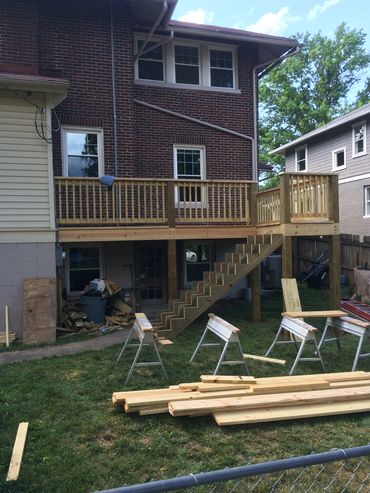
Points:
x=78, y=442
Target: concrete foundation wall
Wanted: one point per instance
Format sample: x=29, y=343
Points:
x=19, y=261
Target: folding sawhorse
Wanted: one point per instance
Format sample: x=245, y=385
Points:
x=351, y=326
x=301, y=333
x=228, y=335
x=143, y=331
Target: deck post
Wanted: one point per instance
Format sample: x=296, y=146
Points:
x=255, y=281
x=253, y=204
x=334, y=271
x=171, y=204
x=285, y=198
x=172, y=269
x=286, y=258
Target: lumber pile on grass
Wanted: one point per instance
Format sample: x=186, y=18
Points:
x=235, y=400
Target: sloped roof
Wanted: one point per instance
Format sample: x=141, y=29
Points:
x=341, y=120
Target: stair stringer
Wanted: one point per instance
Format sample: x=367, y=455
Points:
x=176, y=325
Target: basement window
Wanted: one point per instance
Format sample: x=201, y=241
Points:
x=84, y=266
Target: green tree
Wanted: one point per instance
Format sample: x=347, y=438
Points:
x=311, y=88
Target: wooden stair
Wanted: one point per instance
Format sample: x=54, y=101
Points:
x=203, y=294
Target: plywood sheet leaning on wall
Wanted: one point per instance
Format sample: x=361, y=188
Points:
x=39, y=310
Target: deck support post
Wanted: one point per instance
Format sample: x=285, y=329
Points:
x=334, y=271
x=286, y=258
x=255, y=282
x=172, y=269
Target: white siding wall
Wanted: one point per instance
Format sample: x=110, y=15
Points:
x=24, y=169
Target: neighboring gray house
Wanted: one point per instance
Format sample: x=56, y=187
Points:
x=341, y=146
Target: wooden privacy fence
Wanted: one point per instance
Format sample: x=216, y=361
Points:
x=354, y=253
x=134, y=201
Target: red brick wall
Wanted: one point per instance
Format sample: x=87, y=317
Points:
x=19, y=49
x=75, y=44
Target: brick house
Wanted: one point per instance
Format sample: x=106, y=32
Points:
x=115, y=88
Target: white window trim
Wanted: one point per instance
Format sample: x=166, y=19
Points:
x=296, y=159
x=204, y=64
x=165, y=64
x=75, y=129
x=354, y=126
x=67, y=271
x=187, y=283
x=234, y=68
x=202, y=149
x=366, y=188
x=171, y=64
x=334, y=160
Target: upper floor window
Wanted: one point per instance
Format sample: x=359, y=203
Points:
x=359, y=139
x=82, y=152
x=301, y=159
x=189, y=162
x=222, y=68
x=151, y=64
x=339, y=159
x=367, y=202
x=187, y=63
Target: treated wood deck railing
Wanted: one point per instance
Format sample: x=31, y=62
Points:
x=141, y=202
x=301, y=197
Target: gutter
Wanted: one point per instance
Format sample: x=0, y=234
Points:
x=152, y=31
x=195, y=120
x=255, y=77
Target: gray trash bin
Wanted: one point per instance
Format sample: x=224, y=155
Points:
x=94, y=307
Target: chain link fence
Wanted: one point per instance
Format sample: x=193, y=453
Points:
x=336, y=471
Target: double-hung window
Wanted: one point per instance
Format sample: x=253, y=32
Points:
x=359, y=139
x=186, y=64
x=367, y=201
x=222, y=68
x=301, y=159
x=189, y=165
x=339, y=159
x=82, y=152
x=151, y=63
x=84, y=266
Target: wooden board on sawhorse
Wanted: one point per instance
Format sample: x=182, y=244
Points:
x=301, y=333
x=349, y=325
x=228, y=335
x=144, y=332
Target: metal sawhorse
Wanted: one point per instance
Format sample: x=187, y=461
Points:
x=300, y=333
x=228, y=335
x=144, y=332
x=349, y=325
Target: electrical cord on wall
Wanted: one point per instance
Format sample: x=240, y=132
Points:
x=40, y=124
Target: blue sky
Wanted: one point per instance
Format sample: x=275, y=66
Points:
x=278, y=17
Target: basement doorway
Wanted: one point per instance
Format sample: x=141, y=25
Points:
x=151, y=272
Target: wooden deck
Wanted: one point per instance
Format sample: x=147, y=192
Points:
x=147, y=209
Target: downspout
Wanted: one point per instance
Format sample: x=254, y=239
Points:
x=114, y=99
x=255, y=77
x=153, y=29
